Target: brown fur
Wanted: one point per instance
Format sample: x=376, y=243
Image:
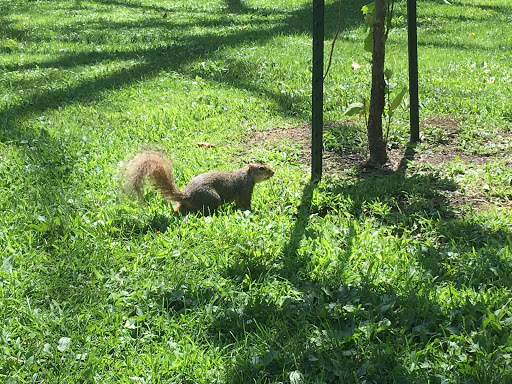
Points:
x=205, y=192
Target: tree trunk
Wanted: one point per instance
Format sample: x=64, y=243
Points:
x=376, y=142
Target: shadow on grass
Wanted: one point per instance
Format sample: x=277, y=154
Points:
x=336, y=317
x=51, y=159
x=337, y=331
x=175, y=55
x=457, y=3
x=129, y=225
x=291, y=262
x=180, y=51
x=502, y=9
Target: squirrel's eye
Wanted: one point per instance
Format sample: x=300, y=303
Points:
x=262, y=168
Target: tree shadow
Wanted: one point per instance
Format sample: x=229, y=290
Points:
x=134, y=5
x=465, y=252
x=466, y=46
x=289, y=253
x=175, y=55
x=414, y=199
x=498, y=8
x=179, y=52
x=390, y=319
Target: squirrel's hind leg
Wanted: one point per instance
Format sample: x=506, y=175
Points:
x=206, y=202
x=176, y=208
x=183, y=208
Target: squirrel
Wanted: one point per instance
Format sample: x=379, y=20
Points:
x=204, y=193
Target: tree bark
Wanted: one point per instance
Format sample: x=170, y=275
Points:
x=377, y=146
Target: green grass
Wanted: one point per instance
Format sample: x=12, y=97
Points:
x=386, y=277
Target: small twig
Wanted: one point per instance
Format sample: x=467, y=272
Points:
x=334, y=40
x=365, y=113
x=388, y=117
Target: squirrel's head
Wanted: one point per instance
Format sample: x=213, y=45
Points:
x=260, y=171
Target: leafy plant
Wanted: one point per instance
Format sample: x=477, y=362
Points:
x=363, y=108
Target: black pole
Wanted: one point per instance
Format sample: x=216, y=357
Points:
x=317, y=90
x=413, y=71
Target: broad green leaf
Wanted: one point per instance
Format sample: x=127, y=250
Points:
x=368, y=42
x=64, y=344
x=7, y=265
x=369, y=8
x=398, y=99
x=354, y=109
x=131, y=323
x=47, y=348
x=41, y=226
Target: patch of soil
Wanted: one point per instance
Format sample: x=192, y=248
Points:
x=434, y=154
x=333, y=162
x=336, y=161
x=447, y=150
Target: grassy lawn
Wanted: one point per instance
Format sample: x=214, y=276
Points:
x=402, y=275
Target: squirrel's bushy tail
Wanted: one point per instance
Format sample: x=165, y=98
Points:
x=157, y=168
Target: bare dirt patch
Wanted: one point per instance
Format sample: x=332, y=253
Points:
x=399, y=158
x=339, y=161
x=333, y=162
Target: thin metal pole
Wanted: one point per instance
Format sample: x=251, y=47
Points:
x=413, y=71
x=317, y=90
